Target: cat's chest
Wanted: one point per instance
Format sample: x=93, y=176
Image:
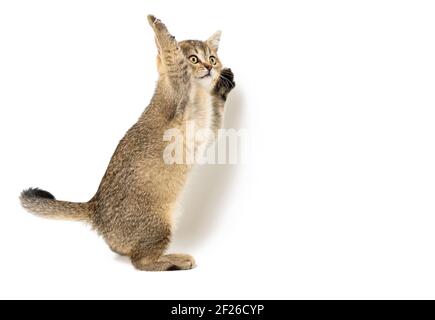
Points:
x=200, y=123
x=202, y=112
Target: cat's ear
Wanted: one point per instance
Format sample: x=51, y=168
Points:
x=213, y=41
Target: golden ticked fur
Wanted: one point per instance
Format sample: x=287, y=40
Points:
x=134, y=205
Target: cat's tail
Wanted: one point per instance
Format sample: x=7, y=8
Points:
x=43, y=204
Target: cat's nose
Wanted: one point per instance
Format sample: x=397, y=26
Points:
x=207, y=66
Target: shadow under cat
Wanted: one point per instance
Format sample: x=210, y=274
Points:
x=207, y=189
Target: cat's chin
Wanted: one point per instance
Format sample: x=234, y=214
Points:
x=205, y=82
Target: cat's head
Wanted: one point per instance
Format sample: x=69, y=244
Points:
x=203, y=59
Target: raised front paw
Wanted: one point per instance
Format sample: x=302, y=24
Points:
x=155, y=23
x=228, y=75
x=225, y=83
x=162, y=34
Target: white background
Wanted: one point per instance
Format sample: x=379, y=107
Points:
x=336, y=199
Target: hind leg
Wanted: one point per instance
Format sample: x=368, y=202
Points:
x=179, y=261
x=148, y=255
x=118, y=251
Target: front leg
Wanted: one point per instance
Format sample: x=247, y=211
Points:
x=175, y=64
x=224, y=84
x=222, y=88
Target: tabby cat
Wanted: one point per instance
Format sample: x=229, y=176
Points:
x=134, y=206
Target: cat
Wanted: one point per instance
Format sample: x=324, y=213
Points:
x=134, y=206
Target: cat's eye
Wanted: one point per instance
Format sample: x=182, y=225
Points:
x=193, y=59
x=213, y=60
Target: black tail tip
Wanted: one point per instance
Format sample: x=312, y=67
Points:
x=37, y=193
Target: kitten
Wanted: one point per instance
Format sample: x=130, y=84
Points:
x=133, y=207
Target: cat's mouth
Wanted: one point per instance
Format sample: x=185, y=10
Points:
x=208, y=74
